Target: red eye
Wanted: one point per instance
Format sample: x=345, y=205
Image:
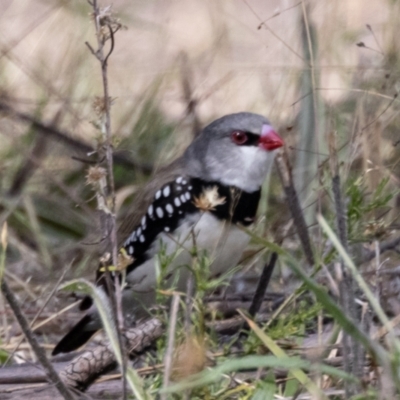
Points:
x=239, y=137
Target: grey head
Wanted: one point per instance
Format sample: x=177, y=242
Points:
x=232, y=150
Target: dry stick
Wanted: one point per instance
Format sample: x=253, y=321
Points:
x=285, y=174
x=352, y=351
x=39, y=352
x=262, y=285
x=231, y=325
x=66, y=138
x=33, y=161
x=385, y=246
x=101, y=21
x=28, y=167
x=311, y=59
x=86, y=367
x=171, y=340
x=49, y=297
x=99, y=54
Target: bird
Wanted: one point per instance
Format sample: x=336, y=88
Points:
x=209, y=193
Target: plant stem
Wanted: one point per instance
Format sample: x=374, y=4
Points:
x=39, y=352
x=110, y=218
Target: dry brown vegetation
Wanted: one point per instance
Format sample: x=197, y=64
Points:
x=325, y=73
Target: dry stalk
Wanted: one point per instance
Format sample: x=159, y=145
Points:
x=231, y=325
x=285, y=174
x=39, y=352
x=262, y=285
x=32, y=324
x=65, y=138
x=385, y=246
x=106, y=26
x=353, y=357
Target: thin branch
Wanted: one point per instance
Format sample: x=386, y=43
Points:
x=66, y=138
x=353, y=355
x=109, y=218
x=39, y=352
x=263, y=24
x=369, y=27
x=385, y=246
x=49, y=297
x=91, y=49
x=112, y=44
x=285, y=174
x=262, y=285
x=337, y=195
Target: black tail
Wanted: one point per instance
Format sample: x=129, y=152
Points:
x=77, y=336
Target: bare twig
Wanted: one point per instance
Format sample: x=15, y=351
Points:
x=65, y=137
x=49, y=297
x=340, y=211
x=231, y=325
x=112, y=45
x=385, y=246
x=27, y=169
x=352, y=350
x=39, y=352
x=285, y=174
x=110, y=229
x=33, y=161
x=102, y=19
x=262, y=285
x=369, y=27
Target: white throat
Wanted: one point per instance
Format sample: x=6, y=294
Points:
x=246, y=169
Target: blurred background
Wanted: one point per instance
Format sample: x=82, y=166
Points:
x=312, y=67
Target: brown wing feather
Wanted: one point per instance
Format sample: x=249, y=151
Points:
x=146, y=196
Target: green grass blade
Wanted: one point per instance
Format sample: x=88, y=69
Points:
x=253, y=362
x=359, y=279
x=278, y=352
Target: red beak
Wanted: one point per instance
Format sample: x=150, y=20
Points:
x=269, y=139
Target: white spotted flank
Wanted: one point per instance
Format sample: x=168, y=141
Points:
x=159, y=212
x=166, y=191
